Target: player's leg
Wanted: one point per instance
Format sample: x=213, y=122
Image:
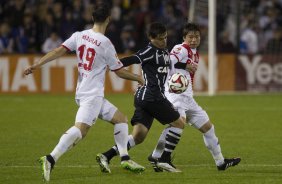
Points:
x=212, y=144
x=165, y=113
x=161, y=142
x=126, y=163
x=199, y=119
x=139, y=134
x=172, y=138
x=121, y=134
x=110, y=113
x=157, y=153
x=85, y=117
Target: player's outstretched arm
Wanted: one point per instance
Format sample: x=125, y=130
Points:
x=54, y=54
x=130, y=60
x=125, y=74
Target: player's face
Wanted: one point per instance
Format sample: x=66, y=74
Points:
x=160, y=41
x=193, y=39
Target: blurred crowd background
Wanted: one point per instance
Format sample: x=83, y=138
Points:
x=38, y=26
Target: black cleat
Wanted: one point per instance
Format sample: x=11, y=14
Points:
x=229, y=162
x=154, y=162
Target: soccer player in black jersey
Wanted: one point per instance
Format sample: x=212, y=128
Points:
x=150, y=101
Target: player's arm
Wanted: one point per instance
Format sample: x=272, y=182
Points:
x=191, y=66
x=127, y=61
x=174, y=61
x=125, y=74
x=54, y=54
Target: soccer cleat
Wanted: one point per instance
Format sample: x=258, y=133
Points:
x=228, y=163
x=46, y=167
x=132, y=166
x=103, y=163
x=167, y=166
x=153, y=162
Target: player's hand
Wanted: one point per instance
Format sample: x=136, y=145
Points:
x=192, y=67
x=141, y=81
x=29, y=70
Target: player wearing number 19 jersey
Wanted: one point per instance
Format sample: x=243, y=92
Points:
x=95, y=53
x=185, y=59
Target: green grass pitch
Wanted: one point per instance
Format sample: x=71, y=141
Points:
x=248, y=126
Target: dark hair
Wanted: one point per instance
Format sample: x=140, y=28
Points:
x=101, y=12
x=190, y=27
x=155, y=29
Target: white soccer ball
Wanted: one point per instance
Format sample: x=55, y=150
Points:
x=178, y=83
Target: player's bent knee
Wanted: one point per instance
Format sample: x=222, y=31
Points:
x=119, y=117
x=179, y=123
x=83, y=127
x=206, y=127
x=139, y=133
x=138, y=139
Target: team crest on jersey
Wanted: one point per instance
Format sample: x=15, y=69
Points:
x=166, y=59
x=176, y=50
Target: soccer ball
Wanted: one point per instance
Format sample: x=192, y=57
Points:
x=178, y=83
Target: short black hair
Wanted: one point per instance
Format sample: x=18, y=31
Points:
x=155, y=29
x=190, y=27
x=101, y=12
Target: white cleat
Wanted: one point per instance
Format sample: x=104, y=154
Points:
x=167, y=167
x=46, y=168
x=103, y=163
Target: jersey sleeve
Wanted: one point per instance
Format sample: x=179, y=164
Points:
x=182, y=53
x=127, y=61
x=176, y=54
x=70, y=43
x=178, y=57
x=112, y=59
x=144, y=54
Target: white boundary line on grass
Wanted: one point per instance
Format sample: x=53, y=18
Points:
x=94, y=166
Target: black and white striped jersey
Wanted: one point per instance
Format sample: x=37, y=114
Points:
x=155, y=64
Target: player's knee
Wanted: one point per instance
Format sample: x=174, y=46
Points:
x=179, y=123
x=139, y=133
x=139, y=138
x=119, y=117
x=206, y=127
x=83, y=128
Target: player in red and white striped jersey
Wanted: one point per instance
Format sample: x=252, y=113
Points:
x=95, y=53
x=186, y=58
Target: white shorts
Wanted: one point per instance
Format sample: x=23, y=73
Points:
x=189, y=108
x=90, y=110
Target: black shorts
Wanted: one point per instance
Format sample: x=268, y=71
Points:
x=146, y=111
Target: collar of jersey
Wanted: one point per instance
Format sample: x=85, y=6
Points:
x=151, y=45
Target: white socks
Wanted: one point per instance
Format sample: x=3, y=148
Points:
x=121, y=138
x=161, y=145
x=67, y=141
x=131, y=141
x=211, y=142
x=210, y=139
